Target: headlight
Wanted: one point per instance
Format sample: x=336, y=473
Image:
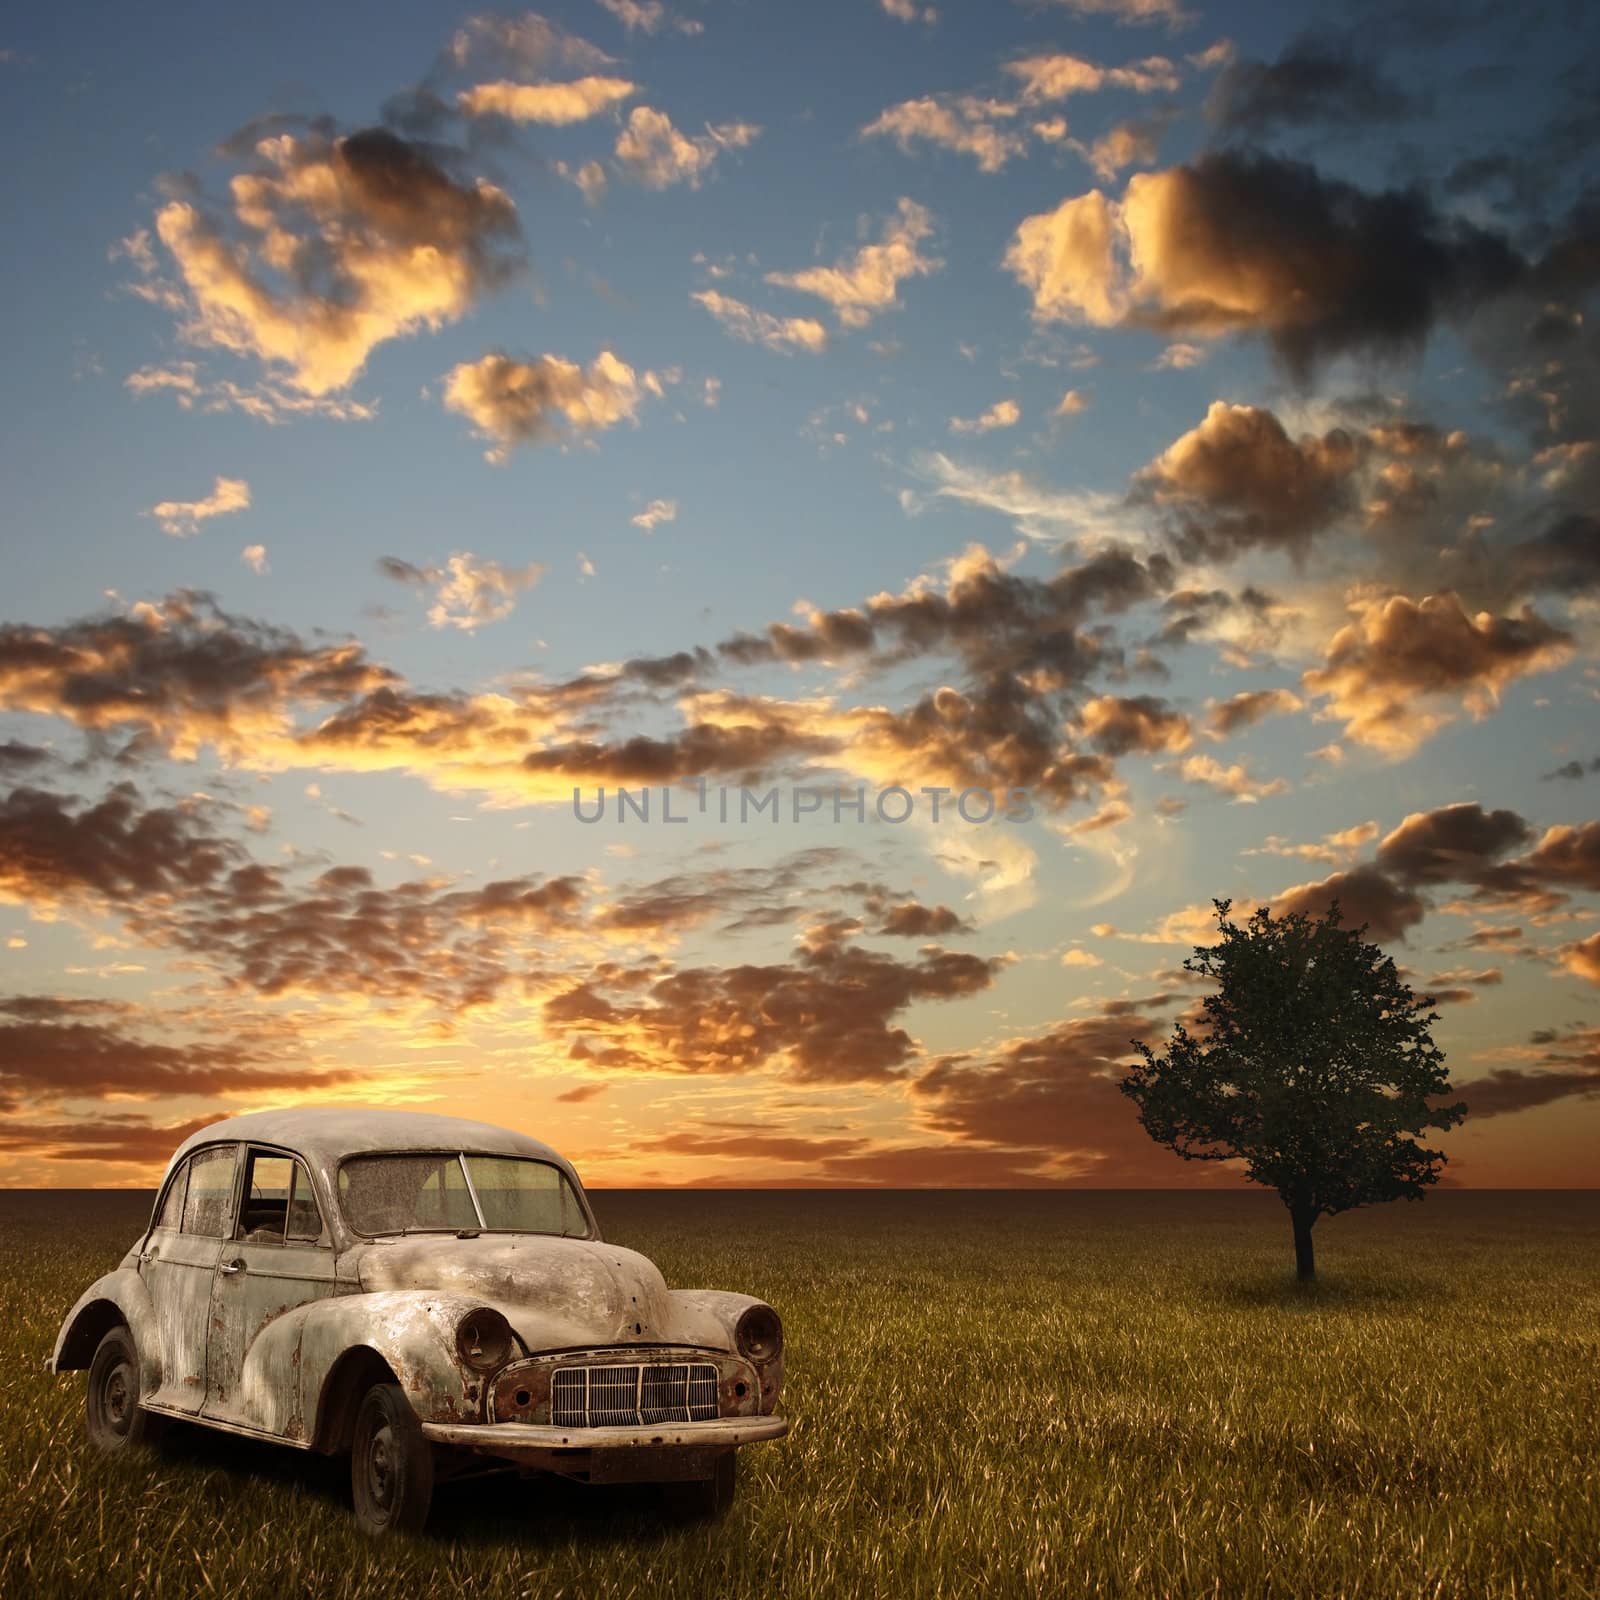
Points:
x=483, y=1340
x=759, y=1334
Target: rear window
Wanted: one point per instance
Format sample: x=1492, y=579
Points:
x=171, y=1213
x=208, y=1205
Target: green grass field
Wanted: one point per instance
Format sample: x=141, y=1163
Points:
x=991, y=1394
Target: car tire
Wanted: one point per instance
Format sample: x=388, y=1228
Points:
x=704, y=1499
x=112, y=1414
x=391, y=1464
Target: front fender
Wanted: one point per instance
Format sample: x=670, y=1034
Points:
x=414, y=1333
x=118, y=1297
x=709, y=1316
x=713, y=1315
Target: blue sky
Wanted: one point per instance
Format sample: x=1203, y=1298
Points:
x=758, y=313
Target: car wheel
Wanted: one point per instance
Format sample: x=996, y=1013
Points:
x=701, y=1499
x=115, y=1419
x=391, y=1463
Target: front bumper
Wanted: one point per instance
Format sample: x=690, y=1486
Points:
x=661, y=1453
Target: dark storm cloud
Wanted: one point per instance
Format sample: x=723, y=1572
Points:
x=53, y=1048
x=1245, y=240
x=666, y=672
x=1572, y=771
x=403, y=571
x=1005, y=735
x=1238, y=481
x=1565, y=858
x=1510, y=1090
x=344, y=936
x=1320, y=79
x=915, y=921
x=825, y=1016
x=1027, y=647
x=1563, y=559
x=54, y=847
x=1365, y=897
x=1464, y=844
x=1054, y=1094
x=743, y=753
x=1119, y=725
x=1507, y=1089
x=737, y=896
x=125, y=1140
x=1250, y=706
x=994, y=620
x=1191, y=613
x=184, y=673
x=17, y=757
x=182, y=669
x=178, y=884
x=1451, y=844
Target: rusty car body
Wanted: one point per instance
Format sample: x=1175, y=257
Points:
x=429, y=1294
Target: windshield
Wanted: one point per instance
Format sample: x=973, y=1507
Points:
x=453, y=1193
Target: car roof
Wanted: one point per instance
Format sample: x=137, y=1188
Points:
x=326, y=1134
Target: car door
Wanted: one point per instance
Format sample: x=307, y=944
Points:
x=179, y=1266
x=280, y=1255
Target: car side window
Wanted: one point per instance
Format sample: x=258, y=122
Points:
x=305, y=1220
x=171, y=1213
x=264, y=1206
x=210, y=1193
x=277, y=1203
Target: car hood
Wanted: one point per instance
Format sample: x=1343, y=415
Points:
x=556, y=1293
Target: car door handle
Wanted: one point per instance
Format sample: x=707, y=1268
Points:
x=150, y=1254
x=232, y=1266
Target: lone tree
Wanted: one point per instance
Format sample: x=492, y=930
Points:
x=1313, y=1065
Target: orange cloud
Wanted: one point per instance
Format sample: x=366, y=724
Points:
x=861, y=286
x=514, y=403
x=336, y=245
x=552, y=104
x=1392, y=674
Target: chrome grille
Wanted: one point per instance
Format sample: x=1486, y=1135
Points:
x=602, y=1397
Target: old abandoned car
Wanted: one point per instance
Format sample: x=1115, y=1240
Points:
x=431, y=1295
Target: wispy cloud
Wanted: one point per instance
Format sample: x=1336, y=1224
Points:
x=652, y=152
x=469, y=591
x=1002, y=414
x=651, y=16
x=553, y=104
x=753, y=326
x=182, y=518
x=860, y=286
x=654, y=514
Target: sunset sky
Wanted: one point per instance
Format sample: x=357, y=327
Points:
x=1189, y=416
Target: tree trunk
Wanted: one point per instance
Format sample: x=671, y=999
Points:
x=1305, y=1260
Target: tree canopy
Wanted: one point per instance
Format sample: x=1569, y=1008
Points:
x=1312, y=1062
